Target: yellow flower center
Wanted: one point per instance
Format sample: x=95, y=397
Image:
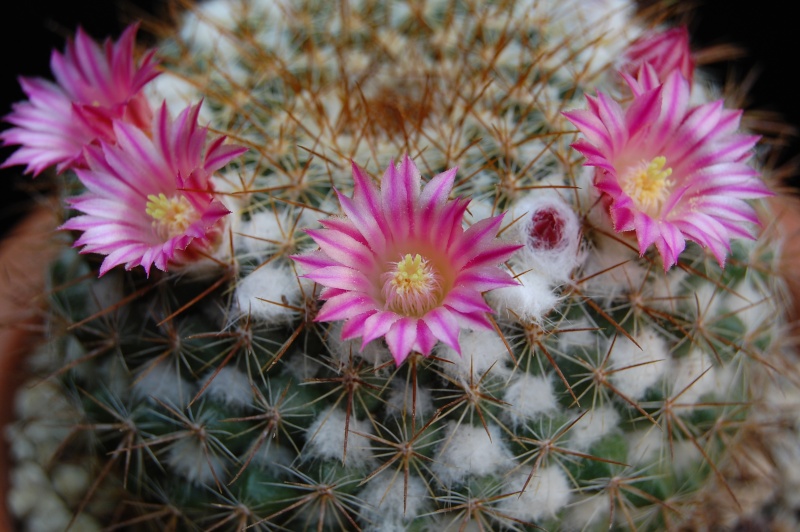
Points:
x=648, y=185
x=171, y=216
x=412, y=287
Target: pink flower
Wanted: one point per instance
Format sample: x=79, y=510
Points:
x=671, y=172
x=665, y=51
x=400, y=265
x=95, y=87
x=150, y=200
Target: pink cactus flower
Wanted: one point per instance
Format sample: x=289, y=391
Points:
x=400, y=265
x=665, y=51
x=150, y=200
x=671, y=172
x=95, y=86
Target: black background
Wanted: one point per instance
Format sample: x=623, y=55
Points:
x=33, y=28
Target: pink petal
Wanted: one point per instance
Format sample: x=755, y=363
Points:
x=401, y=338
x=345, y=306
x=444, y=326
x=341, y=277
x=377, y=325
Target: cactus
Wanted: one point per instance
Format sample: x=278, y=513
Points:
x=618, y=384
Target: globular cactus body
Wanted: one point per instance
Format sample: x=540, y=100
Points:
x=608, y=392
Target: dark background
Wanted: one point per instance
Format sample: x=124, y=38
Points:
x=764, y=29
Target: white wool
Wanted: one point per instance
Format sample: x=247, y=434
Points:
x=27, y=480
x=576, y=334
x=207, y=29
x=645, y=445
x=620, y=265
x=685, y=371
x=454, y=522
x=375, y=352
x=326, y=438
x=266, y=232
x=585, y=512
x=49, y=513
x=783, y=397
x=616, y=257
x=163, y=383
x=529, y=397
x=593, y=426
x=309, y=218
x=272, y=457
x=480, y=210
x=266, y=291
x=469, y=451
x=580, y=22
x=704, y=304
x=230, y=386
x=45, y=396
x=530, y=300
x=547, y=493
x=390, y=503
x=637, y=369
x=786, y=453
x=750, y=305
x=578, y=16
x=106, y=292
x=480, y=351
x=554, y=264
x=272, y=9
x=71, y=482
x=686, y=456
x=402, y=399
x=39, y=437
x=33, y=497
x=204, y=26
x=665, y=289
x=177, y=94
x=197, y=464
x=228, y=184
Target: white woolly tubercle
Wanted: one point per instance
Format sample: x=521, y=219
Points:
x=540, y=218
x=267, y=293
x=691, y=377
x=751, y=305
x=549, y=230
x=586, y=512
x=480, y=351
x=230, y=386
x=593, y=426
x=326, y=437
x=530, y=300
x=390, y=504
x=637, y=369
x=203, y=27
x=546, y=494
x=402, y=398
x=470, y=451
x=163, y=383
x=177, y=93
x=529, y=397
x=645, y=445
x=189, y=459
x=266, y=232
x=375, y=353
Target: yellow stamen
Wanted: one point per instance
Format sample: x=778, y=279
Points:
x=648, y=185
x=413, y=287
x=171, y=216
